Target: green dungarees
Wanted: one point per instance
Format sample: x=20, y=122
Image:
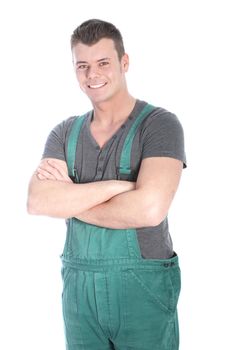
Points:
x=112, y=297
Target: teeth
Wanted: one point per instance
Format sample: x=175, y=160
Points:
x=96, y=86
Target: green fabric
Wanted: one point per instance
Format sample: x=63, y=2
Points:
x=126, y=152
x=85, y=241
x=72, y=144
x=120, y=306
x=112, y=297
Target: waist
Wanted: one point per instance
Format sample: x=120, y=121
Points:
x=119, y=264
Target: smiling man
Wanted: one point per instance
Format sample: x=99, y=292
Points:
x=112, y=174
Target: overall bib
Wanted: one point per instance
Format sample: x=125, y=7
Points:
x=113, y=298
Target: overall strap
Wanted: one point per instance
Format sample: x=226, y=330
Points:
x=72, y=144
x=125, y=162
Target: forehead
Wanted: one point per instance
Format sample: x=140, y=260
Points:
x=103, y=48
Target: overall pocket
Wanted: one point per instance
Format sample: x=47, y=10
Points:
x=161, y=286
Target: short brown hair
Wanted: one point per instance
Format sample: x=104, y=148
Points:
x=91, y=31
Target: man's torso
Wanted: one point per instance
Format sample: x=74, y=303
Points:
x=157, y=135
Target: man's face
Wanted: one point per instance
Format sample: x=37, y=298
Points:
x=99, y=72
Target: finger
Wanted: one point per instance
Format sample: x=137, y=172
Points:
x=63, y=176
x=41, y=177
x=59, y=168
x=46, y=174
x=52, y=170
x=51, y=173
x=55, y=169
x=45, y=165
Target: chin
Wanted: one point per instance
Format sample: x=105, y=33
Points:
x=100, y=99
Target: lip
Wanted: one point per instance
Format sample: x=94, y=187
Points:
x=96, y=86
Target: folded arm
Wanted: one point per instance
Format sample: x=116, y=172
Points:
x=52, y=193
x=145, y=206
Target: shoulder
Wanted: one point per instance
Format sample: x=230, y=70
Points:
x=161, y=134
x=63, y=128
x=160, y=121
x=156, y=116
x=163, y=117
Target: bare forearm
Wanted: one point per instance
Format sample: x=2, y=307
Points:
x=126, y=210
x=145, y=206
x=64, y=200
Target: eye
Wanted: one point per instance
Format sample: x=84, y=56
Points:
x=103, y=63
x=82, y=67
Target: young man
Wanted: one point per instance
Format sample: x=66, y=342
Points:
x=112, y=174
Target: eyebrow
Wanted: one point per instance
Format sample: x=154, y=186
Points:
x=100, y=60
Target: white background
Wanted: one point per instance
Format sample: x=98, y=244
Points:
x=181, y=59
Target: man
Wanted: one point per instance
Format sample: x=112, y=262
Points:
x=112, y=174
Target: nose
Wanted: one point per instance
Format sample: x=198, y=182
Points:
x=92, y=72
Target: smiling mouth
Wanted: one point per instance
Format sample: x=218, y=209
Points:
x=96, y=86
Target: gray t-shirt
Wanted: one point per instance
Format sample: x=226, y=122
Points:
x=159, y=135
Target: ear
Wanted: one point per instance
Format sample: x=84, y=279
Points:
x=125, y=62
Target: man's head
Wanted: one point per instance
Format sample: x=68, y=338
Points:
x=100, y=60
x=93, y=30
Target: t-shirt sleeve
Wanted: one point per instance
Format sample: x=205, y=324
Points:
x=163, y=136
x=55, y=144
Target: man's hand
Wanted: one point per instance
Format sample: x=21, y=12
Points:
x=52, y=170
x=51, y=191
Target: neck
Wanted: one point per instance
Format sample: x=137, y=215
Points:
x=115, y=110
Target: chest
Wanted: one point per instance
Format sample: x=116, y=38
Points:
x=99, y=153
x=96, y=153
x=101, y=136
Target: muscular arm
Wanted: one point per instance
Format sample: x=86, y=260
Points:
x=52, y=193
x=147, y=205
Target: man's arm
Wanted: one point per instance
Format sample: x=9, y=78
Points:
x=145, y=206
x=52, y=193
